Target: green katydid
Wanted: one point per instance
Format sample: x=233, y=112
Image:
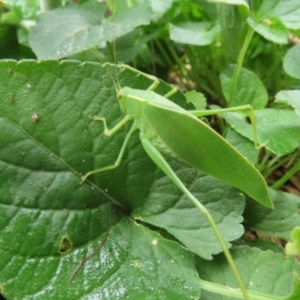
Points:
x=163, y=123
x=187, y=137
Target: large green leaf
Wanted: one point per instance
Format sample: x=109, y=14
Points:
x=49, y=222
x=72, y=29
x=225, y=204
x=134, y=262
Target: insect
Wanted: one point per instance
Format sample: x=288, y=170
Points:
x=186, y=137
x=161, y=122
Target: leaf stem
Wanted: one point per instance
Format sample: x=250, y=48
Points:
x=240, y=61
x=234, y=293
x=286, y=176
x=87, y=258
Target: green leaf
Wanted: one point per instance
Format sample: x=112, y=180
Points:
x=232, y=22
x=291, y=62
x=23, y=9
x=249, y=90
x=285, y=10
x=264, y=245
x=197, y=99
x=277, y=223
x=132, y=253
x=49, y=222
x=9, y=47
x=278, y=130
x=209, y=9
x=72, y=29
x=273, y=29
x=242, y=144
x=266, y=274
x=271, y=19
x=233, y=2
x=290, y=98
x=194, y=33
x=159, y=7
x=293, y=248
x=224, y=203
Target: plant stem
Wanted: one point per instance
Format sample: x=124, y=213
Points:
x=228, y=256
x=179, y=62
x=163, y=52
x=287, y=176
x=234, y=293
x=240, y=63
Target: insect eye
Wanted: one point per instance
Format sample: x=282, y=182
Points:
x=119, y=96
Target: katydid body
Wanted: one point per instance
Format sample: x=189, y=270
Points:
x=190, y=139
x=165, y=125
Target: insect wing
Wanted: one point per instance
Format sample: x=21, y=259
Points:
x=201, y=147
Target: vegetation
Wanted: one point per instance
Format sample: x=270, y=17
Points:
x=141, y=236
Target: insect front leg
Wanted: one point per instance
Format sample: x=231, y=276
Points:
x=122, y=151
x=110, y=132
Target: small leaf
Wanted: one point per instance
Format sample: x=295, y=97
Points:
x=291, y=62
x=199, y=34
x=265, y=274
x=291, y=98
x=249, y=90
x=271, y=29
x=242, y=144
x=278, y=130
x=159, y=8
x=293, y=248
x=277, y=223
x=285, y=10
x=197, y=99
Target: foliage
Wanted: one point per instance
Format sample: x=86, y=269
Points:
x=158, y=246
